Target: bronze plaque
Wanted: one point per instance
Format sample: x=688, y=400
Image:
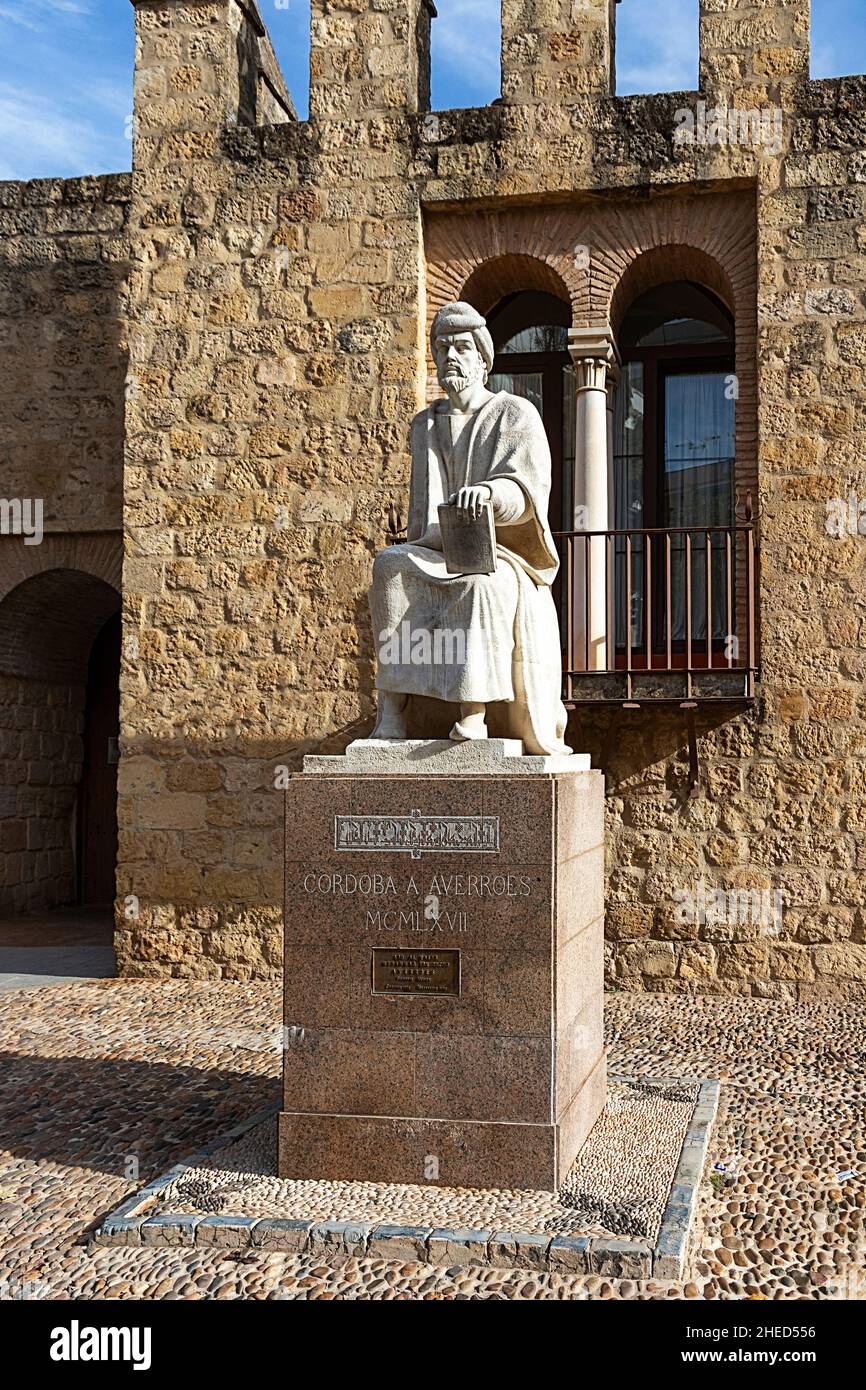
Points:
x=415, y=970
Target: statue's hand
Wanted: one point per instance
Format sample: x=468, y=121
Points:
x=470, y=500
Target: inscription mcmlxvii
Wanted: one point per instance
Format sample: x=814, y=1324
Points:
x=417, y=834
x=415, y=971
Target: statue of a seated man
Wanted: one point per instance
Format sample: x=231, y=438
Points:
x=472, y=447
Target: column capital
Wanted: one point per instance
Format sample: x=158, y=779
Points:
x=595, y=356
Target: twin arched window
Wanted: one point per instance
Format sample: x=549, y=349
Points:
x=673, y=433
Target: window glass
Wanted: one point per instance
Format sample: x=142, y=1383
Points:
x=628, y=489
x=680, y=312
x=674, y=450
x=698, y=491
x=569, y=427
x=699, y=449
x=541, y=338
x=525, y=384
x=628, y=426
x=682, y=331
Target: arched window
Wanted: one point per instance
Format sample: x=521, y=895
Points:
x=673, y=452
x=530, y=335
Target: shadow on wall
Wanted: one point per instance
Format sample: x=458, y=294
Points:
x=200, y=878
x=63, y=371
x=63, y=363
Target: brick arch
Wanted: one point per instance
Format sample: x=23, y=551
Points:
x=98, y=556
x=661, y=265
x=707, y=239
x=493, y=281
x=605, y=252
x=711, y=242
x=48, y=623
x=484, y=256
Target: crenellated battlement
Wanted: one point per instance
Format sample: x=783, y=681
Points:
x=557, y=51
x=754, y=43
x=205, y=63
x=366, y=59
x=208, y=63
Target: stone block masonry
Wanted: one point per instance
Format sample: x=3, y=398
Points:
x=279, y=341
x=64, y=262
x=42, y=752
x=277, y=277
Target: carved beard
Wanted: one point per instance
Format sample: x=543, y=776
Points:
x=451, y=378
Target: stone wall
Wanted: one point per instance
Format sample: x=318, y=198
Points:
x=64, y=257
x=276, y=345
x=556, y=51
x=64, y=261
x=279, y=308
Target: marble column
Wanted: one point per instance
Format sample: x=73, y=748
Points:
x=595, y=359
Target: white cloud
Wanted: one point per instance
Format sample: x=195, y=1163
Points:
x=656, y=54
x=38, y=141
x=62, y=110
x=40, y=13
x=19, y=17
x=466, y=44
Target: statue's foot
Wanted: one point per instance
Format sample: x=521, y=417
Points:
x=391, y=723
x=469, y=727
x=390, y=732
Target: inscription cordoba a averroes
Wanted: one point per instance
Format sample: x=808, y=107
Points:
x=417, y=834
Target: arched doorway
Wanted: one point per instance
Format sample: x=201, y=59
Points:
x=59, y=678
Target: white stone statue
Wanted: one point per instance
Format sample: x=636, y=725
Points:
x=487, y=645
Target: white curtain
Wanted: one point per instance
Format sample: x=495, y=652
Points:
x=698, y=491
x=628, y=485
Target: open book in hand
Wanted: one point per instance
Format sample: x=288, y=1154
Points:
x=468, y=544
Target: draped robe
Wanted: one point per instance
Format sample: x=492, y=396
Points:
x=513, y=660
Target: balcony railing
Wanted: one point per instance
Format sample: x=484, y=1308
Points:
x=659, y=615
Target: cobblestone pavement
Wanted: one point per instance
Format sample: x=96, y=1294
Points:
x=107, y=1083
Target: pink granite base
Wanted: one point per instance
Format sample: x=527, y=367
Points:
x=496, y=1085
x=388, y=1149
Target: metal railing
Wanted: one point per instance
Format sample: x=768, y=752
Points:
x=659, y=614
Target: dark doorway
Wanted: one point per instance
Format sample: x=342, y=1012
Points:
x=97, y=818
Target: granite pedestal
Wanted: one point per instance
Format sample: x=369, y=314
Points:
x=443, y=965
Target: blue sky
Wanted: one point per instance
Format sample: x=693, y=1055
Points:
x=66, y=67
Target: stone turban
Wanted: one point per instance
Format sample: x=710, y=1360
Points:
x=462, y=318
